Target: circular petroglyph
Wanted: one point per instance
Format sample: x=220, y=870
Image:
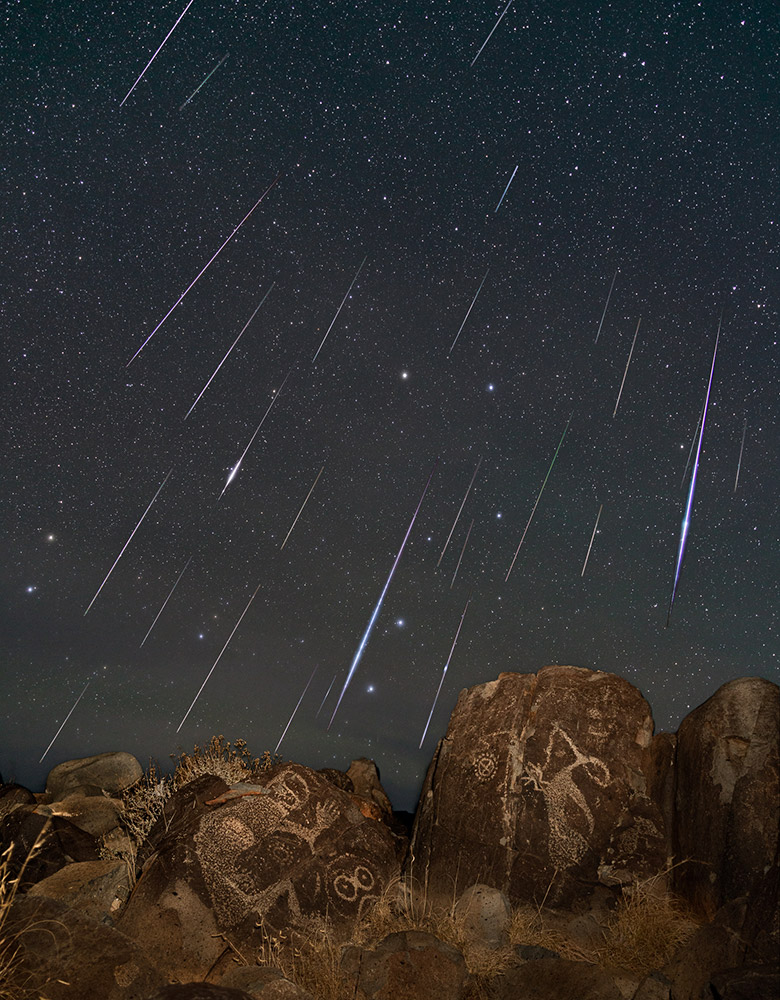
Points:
x=485, y=762
x=350, y=882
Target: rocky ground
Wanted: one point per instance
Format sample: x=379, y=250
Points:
x=560, y=850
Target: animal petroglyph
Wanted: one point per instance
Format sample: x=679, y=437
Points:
x=567, y=807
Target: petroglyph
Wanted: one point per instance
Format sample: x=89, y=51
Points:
x=567, y=807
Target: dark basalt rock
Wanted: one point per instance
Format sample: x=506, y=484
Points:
x=539, y=788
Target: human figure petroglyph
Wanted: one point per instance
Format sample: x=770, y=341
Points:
x=567, y=845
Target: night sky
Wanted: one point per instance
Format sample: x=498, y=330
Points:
x=641, y=142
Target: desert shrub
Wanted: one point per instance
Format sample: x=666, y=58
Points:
x=231, y=762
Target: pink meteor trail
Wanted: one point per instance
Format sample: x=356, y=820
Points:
x=205, y=682
x=444, y=672
x=65, y=720
x=203, y=270
x=151, y=502
x=339, y=309
x=460, y=558
x=229, y=350
x=460, y=511
x=686, y=523
x=146, y=67
x=295, y=710
x=370, y=625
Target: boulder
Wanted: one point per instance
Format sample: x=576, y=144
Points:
x=96, y=889
x=364, y=775
x=95, y=814
x=727, y=815
x=756, y=982
x=105, y=772
x=556, y=979
x=409, y=965
x=59, y=843
x=539, y=789
x=229, y=859
x=655, y=986
x=12, y=796
x=69, y=955
x=484, y=914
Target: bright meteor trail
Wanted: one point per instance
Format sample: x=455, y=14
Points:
x=170, y=595
x=295, y=710
x=204, y=81
x=237, y=466
x=491, y=33
x=203, y=270
x=460, y=510
x=65, y=720
x=606, y=306
x=229, y=350
x=687, y=516
x=590, y=546
x=630, y=354
x=741, y=449
x=469, y=311
x=339, y=310
x=301, y=510
x=505, y=190
x=367, y=633
x=538, y=498
x=146, y=67
x=128, y=541
x=444, y=672
x=205, y=682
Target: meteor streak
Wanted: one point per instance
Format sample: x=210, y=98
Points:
x=444, y=672
x=205, y=682
x=295, y=710
x=204, y=81
x=467, y=314
x=301, y=510
x=690, y=450
x=339, y=309
x=128, y=541
x=688, y=506
x=491, y=33
x=590, y=546
x=229, y=350
x=237, y=466
x=146, y=67
x=460, y=559
x=538, y=498
x=606, y=306
x=460, y=511
x=630, y=353
x=326, y=695
x=505, y=190
x=741, y=449
x=203, y=270
x=170, y=594
x=370, y=625
x=65, y=720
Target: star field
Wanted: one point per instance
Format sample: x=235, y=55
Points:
x=642, y=144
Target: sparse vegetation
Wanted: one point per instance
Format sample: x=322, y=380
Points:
x=15, y=980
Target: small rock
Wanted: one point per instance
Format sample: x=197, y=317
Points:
x=484, y=914
x=263, y=983
x=95, y=814
x=654, y=987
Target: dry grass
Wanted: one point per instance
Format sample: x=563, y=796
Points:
x=231, y=762
x=16, y=981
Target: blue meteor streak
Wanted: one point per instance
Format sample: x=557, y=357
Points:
x=377, y=609
x=687, y=516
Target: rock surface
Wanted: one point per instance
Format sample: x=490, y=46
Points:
x=96, y=889
x=556, y=979
x=228, y=859
x=539, y=788
x=727, y=816
x=484, y=914
x=409, y=965
x=111, y=772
